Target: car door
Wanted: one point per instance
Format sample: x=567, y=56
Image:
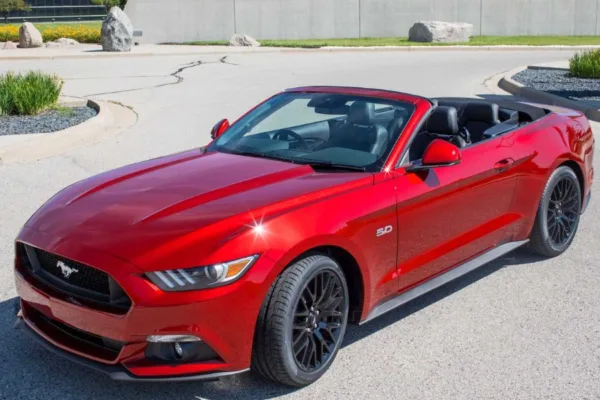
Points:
x=449, y=214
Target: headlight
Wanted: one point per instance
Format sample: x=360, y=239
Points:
x=180, y=280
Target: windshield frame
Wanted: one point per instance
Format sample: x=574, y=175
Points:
x=264, y=110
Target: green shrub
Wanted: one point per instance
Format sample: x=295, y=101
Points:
x=28, y=94
x=586, y=64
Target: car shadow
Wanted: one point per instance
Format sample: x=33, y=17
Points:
x=29, y=371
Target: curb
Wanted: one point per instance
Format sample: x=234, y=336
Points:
x=266, y=50
x=513, y=87
x=111, y=120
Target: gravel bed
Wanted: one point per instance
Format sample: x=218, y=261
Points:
x=559, y=82
x=49, y=121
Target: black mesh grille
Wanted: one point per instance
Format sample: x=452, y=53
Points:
x=82, y=276
x=72, y=281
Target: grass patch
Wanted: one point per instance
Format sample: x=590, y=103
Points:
x=403, y=41
x=63, y=111
x=586, y=64
x=83, y=32
x=28, y=94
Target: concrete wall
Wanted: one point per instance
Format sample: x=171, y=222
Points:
x=187, y=20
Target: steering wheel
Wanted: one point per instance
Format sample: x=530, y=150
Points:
x=284, y=134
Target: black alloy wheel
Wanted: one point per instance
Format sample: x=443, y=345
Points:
x=302, y=322
x=563, y=210
x=558, y=214
x=318, y=321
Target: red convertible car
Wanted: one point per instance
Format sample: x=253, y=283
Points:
x=320, y=207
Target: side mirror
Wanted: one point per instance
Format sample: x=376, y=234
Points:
x=219, y=128
x=439, y=153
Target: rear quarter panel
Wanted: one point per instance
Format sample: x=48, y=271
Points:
x=564, y=136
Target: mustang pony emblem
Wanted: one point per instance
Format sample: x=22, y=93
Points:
x=66, y=270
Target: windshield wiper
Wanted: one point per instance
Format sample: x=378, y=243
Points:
x=259, y=155
x=318, y=164
x=333, y=166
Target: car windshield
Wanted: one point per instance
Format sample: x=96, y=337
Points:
x=329, y=131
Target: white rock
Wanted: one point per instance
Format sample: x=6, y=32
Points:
x=53, y=45
x=66, y=42
x=117, y=31
x=9, y=46
x=440, y=32
x=243, y=40
x=29, y=36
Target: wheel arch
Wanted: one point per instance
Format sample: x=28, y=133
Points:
x=352, y=272
x=579, y=172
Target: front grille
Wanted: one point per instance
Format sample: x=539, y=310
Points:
x=73, y=281
x=83, y=276
x=73, y=338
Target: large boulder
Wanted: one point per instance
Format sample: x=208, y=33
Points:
x=440, y=32
x=29, y=36
x=242, y=40
x=117, y=31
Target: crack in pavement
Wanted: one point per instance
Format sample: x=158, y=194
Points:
x=176, y=75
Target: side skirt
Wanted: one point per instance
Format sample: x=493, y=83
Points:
x=444, y=278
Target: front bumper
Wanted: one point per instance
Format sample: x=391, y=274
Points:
x=223, y=318
x=116, y=372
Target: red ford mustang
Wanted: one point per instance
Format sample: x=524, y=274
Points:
x=320, y=207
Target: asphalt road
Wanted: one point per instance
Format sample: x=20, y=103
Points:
x=521, y=327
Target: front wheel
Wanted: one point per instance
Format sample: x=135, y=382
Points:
x=302, y=322
x=558, y=214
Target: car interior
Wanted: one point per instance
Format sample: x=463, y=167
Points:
x=466, y=122
x=351, y=130
x=361, y=131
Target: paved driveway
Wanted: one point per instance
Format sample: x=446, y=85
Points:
x=519, y=328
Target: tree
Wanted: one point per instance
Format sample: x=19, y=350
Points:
x=110, y=3
x=6, y=6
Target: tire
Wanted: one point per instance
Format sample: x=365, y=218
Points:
x=285, y=333
x=558, y=214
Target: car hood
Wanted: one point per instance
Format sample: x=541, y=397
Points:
x=127, y=211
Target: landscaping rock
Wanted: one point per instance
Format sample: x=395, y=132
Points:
x=560, y=83
x=62, y=42
x=117, y=31
x=9, y=46
x=440, y=32
x=29, y=36
x=66, y=42
x=46, y=122
x=243, y=40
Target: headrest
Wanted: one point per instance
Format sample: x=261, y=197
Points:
x=443, y=120
x=361, y=113
x=481, y=112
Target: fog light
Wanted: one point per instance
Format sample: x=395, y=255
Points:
x=179, y=349
x=172, y=338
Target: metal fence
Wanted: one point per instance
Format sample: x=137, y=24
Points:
x=59, y=11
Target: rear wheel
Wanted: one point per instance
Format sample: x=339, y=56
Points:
x=302, y=322
x=558, y=214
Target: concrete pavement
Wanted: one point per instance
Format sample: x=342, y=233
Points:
x=519, y=328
